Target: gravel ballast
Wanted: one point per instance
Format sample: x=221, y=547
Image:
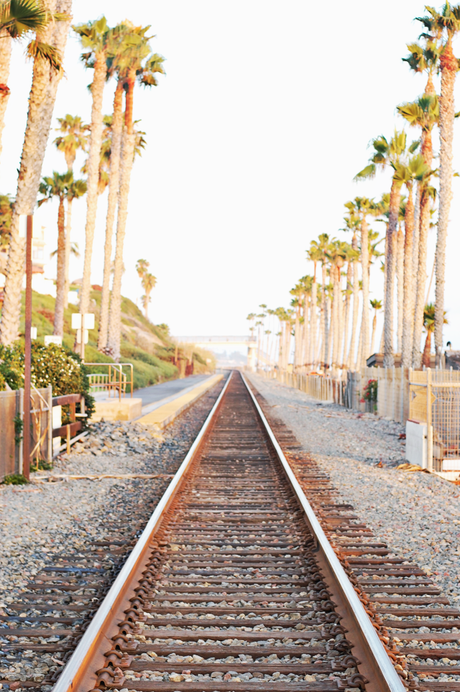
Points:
x=43, y=520
x=417, y=514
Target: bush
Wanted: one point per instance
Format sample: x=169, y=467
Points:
x=50, y=365
x=15, y=479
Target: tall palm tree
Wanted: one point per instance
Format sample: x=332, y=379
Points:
x=45, y=81
x=95, y=38
x=314, y=255
x=376, y=305
x=428, y=194
x=415, y=171
x=58, y=185
x=76, y=190
x=133, y=65
x=444, y=26
x=321, y=247
x=337, y=255
x=114, y=129
x=73, y=137
x=389, y=153
x=148, y=284
x=352, y=224
x=362, y=207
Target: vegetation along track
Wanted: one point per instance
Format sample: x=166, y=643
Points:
x=233, y=584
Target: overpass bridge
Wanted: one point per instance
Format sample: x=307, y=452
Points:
x=225, y=340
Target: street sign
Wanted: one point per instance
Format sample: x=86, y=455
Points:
x=33, y=332
x=79, y=336
x=89, y=320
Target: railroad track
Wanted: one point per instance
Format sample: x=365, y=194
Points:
x=234, y=585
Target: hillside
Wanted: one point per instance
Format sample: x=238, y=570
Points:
x=148, y=347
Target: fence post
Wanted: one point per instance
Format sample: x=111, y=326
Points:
x=50, y=424
x=429, y=427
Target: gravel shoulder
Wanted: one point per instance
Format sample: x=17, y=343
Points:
x=417, y=514
x=42, y=520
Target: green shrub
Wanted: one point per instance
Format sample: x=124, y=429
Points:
x=50, y=365
x=15, y=479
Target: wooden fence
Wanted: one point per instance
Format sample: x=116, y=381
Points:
x=42, y=431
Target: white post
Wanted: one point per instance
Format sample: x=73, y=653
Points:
x=429, y=422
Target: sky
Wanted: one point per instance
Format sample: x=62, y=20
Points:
x=253, y=138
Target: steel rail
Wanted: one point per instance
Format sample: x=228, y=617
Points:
x=379, y=661
x=71, y=675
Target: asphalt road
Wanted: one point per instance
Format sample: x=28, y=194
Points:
x=150, y=395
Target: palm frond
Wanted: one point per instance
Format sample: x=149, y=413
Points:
x=38, y=49
x=367, y=172
x=21, y=16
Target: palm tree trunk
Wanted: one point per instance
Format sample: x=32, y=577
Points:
x=449, y=67
x=60, y=275
x=68, y=230
x=5, y=57
x=335, y=320
x=147, y=301
x=421, y=278
x=114, y=336
x=354, y=326
x=313, y=330
x=328, y=326
x=365, y=274
x=297, y=339
x=374, y=329
x=41, y=104
x=323, y=316
x=408, y=309
x=400, y=278
x=97, y=93
x=346, y=316
x=426, y=358
x=390, y=261
x=416, y=232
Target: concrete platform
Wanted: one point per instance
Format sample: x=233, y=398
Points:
x=115, y=409
x=164, y=414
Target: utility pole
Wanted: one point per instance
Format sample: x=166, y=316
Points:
x=27, y=350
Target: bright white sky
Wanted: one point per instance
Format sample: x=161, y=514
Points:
x=254, y=137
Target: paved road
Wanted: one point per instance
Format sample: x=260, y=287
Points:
x=166, y=390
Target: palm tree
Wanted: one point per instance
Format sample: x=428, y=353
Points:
x=362, y=207
x=114, y=129
x=73, y=138
x=376, y=305
x=416, y=170
x=428, y=194
x=445, y=26
x=337, y=255
x=314, y=255
x=148, y=284
x=76, y=190
x=352, y=224
x=58, y=185
x=321, y=247
x=429, y=319
x=95, y=37
x=142, y=267
x=388, y=153
x=132, y=65
x=45, y=81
